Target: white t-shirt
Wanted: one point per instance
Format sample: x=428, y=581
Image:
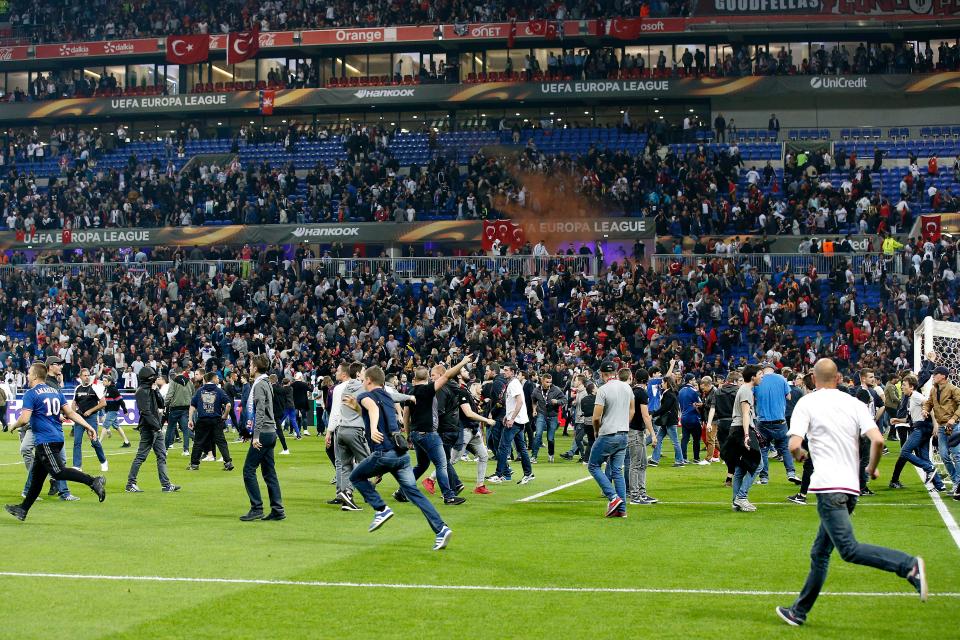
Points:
x=832, y=421
x=515, y=395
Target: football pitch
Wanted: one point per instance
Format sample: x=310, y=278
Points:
x=534, y=561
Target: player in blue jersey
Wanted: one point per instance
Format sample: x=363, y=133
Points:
x=43, y=407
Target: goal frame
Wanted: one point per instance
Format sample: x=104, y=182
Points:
x=923, y=342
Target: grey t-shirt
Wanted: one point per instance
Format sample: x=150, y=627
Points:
x=615, y=397
x=349, y=417
x=744, y=394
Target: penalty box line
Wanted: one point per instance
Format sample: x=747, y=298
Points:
x=457, y=587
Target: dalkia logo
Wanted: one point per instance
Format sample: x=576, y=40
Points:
x=384, y=93
x=838, y=82
x=74, y=50
x=118, y=47
x=321, y=232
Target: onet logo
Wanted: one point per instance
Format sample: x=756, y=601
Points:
x=838, y=82
x=384, y=93
x=323, y=232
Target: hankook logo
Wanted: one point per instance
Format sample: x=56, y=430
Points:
x=384, y=93
x=325, y=232
x=838, y=82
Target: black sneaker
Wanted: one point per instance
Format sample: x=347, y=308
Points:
x=399, y=497
x=334, y=501
x=566, y=456
x=228, y=466
x=251, y=515
x=454, y=500
x=895, y=485
x=928, y=476
x=917, y=577
x=955, y=495
x=648, y=499
x=798, y=498
x=275, y=515
x=193, y=467
x=459, y=489
x=53, y=490
x=885, y=450
x=653, y=463
x=867, y=491
x=171, y=488
x=125, y=445
x=133, y=488
x=347, y=503
x=99, y=487
x=16, y=511
x=786, y=614
x=795, y=480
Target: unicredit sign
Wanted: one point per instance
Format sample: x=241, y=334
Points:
x=838, y=82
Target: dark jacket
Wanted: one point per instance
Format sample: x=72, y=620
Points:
x=150, y=406
x=668, y=415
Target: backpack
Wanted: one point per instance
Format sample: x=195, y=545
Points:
x=587, y=404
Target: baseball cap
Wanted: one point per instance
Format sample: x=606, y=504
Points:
x=53, y=360
x=942, y=371
x=608, y=367
x=689, y=378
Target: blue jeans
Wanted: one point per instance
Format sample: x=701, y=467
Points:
x=610, y=448
x=509, y=437
x=947, y=454
x=493, y=436
x=742, y=481
x=776, y=435
x=662, y=433
x=913, y=452
x=429, y=448
x=290, y=417
x=177, y=419
x=379, y=463
x=79, y=434
x=110, y=421
x=837, y=531
x=550, y=425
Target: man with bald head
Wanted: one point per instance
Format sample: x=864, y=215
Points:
x=833, y=422
x=422, y=422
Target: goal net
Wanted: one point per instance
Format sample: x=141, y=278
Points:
x=943, y=339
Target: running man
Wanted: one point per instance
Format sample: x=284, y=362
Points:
x=833, y=422
x=43, y=407
x=114, y=407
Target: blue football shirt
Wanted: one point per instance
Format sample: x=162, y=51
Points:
x=45, y=403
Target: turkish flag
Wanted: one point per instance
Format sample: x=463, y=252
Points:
x=267, y=98
x=537, y=27
x=512, y=35
x=22, y=235
x=551, y=30
x=505, y=231
x=930, y=227
x=242, y=45
x=67, y=236
x=625, y=28
x=188, y=49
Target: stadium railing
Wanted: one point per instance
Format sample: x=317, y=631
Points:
x=431, y=268
x=770, y=263
x=113, y=271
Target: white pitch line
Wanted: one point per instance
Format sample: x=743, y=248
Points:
x=952, y=528
x=131, y=450
x=459, y=587
x=555, y=489
x=772, y=504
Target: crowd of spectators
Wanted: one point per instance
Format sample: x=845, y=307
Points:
x=712, y=316
x=48, y=21
x=701, y=191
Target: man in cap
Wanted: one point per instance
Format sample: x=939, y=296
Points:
x=613, y=410
x=943, y=403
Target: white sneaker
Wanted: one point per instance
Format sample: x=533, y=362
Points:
x=208, y=458
x=104, y=466
x=495, y=480
x=703, y=463
x=285, y=452
x=305, y=432
x=526, y=479
x=184, y=453
x=549, y=458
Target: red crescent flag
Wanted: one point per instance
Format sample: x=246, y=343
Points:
x=537, y=27
x=625, y=28
x=505, y=231
x=67, y=236
x=188, y=49
x=242, y=45
x=930, y=227
x=512, y=35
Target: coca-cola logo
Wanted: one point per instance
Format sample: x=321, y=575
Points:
x=6, y=53
x=118, y=47
x=73, y=50
x=268, y=39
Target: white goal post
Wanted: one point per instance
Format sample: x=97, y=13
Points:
x=943, y=338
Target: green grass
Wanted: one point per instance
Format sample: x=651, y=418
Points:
x=561, y=540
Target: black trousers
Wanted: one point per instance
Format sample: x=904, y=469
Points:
x=262, y=459
x=208, y=433
x=46, y=461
